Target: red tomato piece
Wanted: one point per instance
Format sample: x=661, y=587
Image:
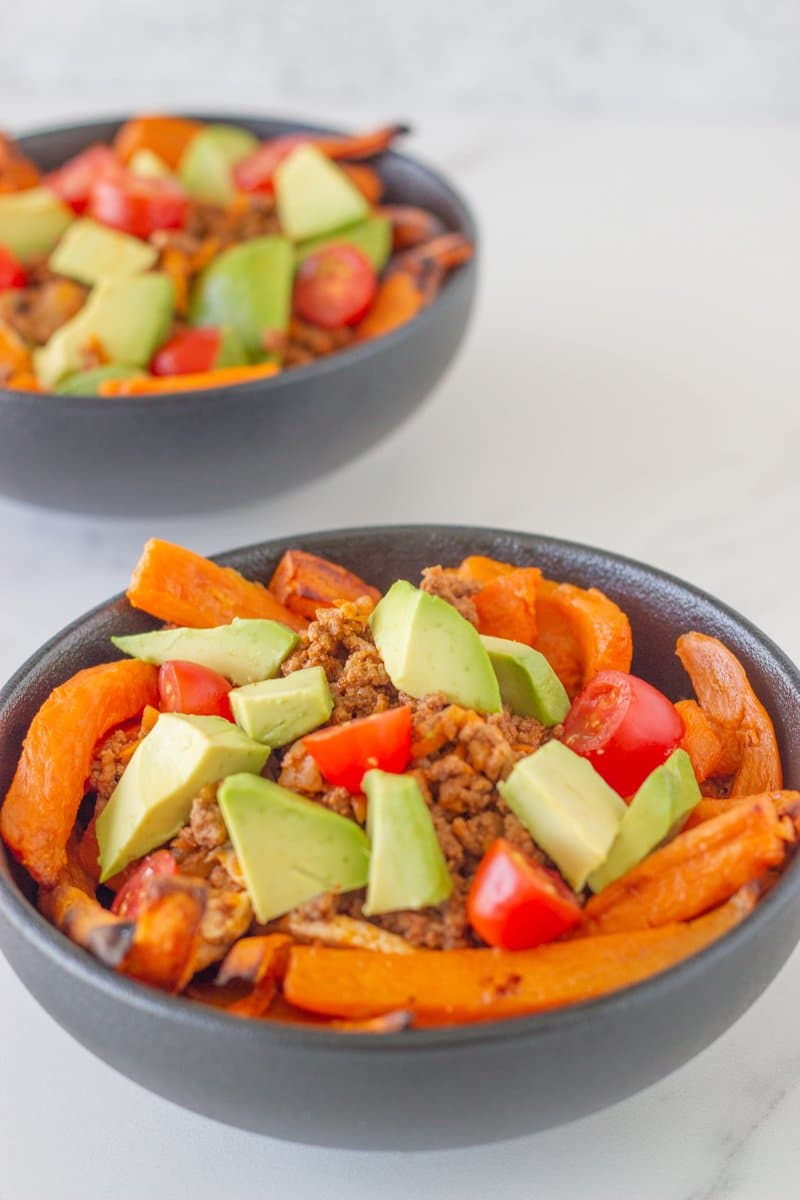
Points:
x=516, y=904
x=254, y=173
x=128, y=899
x=188, y=353
x=624, y=726
x=12, y=272
x=186, y=687
x=136, y=205
x=336, y=285
x=74, y=180
x=344, y=753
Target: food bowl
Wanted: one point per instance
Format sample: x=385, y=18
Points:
x=420, y=1089
x=201, y=451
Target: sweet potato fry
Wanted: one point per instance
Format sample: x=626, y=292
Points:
x=700, y=741
x=17, y=173
x=360, y=145
x=149, y=385
x=448, y=251
x=166, y=934
x=471, y=985
x=344, y=932
x=732, y=708
x=481, y=569
x=41, y=805
x=303, y=583
x=411, y=226
x=164, y=136
x=398, y=300
x=259, y=961
x=699, y=869
x=787, y=804
x=177, y=585
x=84, y=920
x=506, y=606
x=366, y=179
x=580, y=632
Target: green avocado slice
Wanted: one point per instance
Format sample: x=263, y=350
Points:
x=87, y=383
x=31, y=222
x=245, y=651
x=205, y=169
x=407, y=867
x=279, y=711
x=314, y=196
x=89, y=252
x=372, y=236
x=247, y=288
x=528, y=684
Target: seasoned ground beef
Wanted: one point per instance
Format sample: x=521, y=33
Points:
x=458, y=592
x=108, y=764
x=307, y=342
x=36, y=312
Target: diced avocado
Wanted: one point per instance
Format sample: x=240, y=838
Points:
x=566, y=807
x=277, y=711
x=289, y=848
x=147, y=165
x=31, y=222
x=248, y=289
x=207, y=162
x=427, y=646
x=245, y=651
x=314, y=196
x=129, y=317
x=528, y=684
x=152, y=800
x=373, y=237
x=661, y=805
x=89, y=252
x=232, y=352
x=87, y=383
x=407, y=868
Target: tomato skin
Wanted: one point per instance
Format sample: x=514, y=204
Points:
x=625, y=728
x=185, y=687
x=12, y=272
x=516, y=904
x=74, y=180
x=344, y=753
x=128, y=900
x=136, y=205
x=188, y=353
x=335, y=286
x=254, y=173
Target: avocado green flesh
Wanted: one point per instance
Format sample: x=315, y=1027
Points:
x=147, y=165
x=205, y=170
x=87, y=383
x=130, y=317
x=152, y=800
x=528, y=684
x=244, y=651
x=31, y=222
x=373, y=237
x=407, y=868
x=314, y=196
x=661, y=804
x=231, y=350
x=289, y=848
x=247, y=289
x=278, y=711
x=427, y=646
x=566, y=807
x=89, y=252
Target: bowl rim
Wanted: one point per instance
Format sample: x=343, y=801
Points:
x=32, y=927
x=321, y=366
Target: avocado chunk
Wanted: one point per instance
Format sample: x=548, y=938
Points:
x=659, y=807
x=528, y=684
x=289, y=848
x=373, y=237
x=205, y=169
x=277, y=711
x=129, y=317
x=152, y=800
x=248, y=289
x=89, y=252
x=314, y=196
x=566, y=807
x=244, y=651
x=147, y=165
x=87, y=383
x=427, y=646
x=31, y=222
x=407, y=869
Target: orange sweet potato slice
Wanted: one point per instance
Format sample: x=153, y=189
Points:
x=164, y=136
x=304, y=582
x=366, y=179
x=180, y=586
x=166, y=936
x=260, y=961
x=41, y=805
x=84, y=920
x=398, y=300
x=580, y=632
x=700, y=741
x=506, y=606
x=734, y=711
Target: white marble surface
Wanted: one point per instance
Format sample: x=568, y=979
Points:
x=631, y=379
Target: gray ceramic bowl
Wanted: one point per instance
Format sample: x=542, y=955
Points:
x=433, y=1088
x=208, y=450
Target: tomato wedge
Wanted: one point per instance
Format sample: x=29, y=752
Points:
x=624, y=726
x=516, y=904
x=186, y=687
x=344, y=753
x=136, y=205
x=12, y=272
x=74, y=181
x=254, y=173
x=335, y=286
x=129, y=898
x=188, y=353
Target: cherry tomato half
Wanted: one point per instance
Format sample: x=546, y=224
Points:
x=12, y=272
x=74, y=180
x=344, y=753
x=188, y=353
x=516, y=904
x=136, y=205
x=254, y=173
x=186, y=687
x=335, y=286
x=128, y=900
x=624, y=726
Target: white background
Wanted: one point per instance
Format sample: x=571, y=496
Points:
x=631, y=379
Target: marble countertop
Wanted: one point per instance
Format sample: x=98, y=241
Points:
x=630, y=379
